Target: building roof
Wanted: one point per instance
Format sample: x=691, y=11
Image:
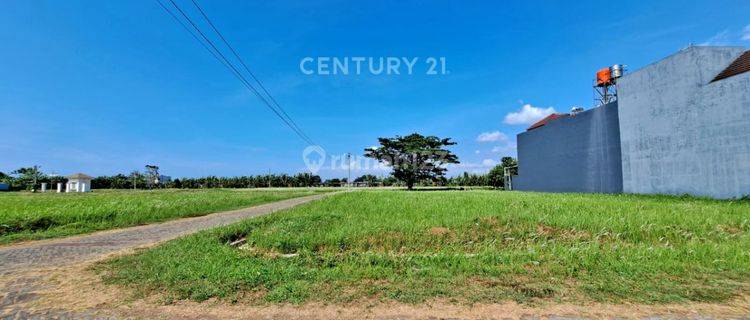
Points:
x=546, y=120
x=80, y=176
x=740, y=65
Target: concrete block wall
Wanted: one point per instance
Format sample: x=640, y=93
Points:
x=681, y=134
x=575, y=154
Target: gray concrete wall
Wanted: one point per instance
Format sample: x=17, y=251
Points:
x=576, y=154
x=681, y=134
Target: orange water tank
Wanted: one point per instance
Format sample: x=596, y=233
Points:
x=603, y=76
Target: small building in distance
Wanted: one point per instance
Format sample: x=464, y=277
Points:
x=78, y=182
x=4, y=187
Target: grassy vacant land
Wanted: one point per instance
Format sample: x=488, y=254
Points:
x=463, y=246
x=27, y=216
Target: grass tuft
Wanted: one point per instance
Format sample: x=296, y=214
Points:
x=470, y=246
x=30, y=216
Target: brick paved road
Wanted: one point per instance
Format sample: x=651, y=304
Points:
x=76, y=249
x=16, y=261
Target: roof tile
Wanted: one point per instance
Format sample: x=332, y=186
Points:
x=741, y=65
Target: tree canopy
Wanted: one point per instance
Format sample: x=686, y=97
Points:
x=367, y=178
x=496, y=175
x=414, y=157
x=26, y=178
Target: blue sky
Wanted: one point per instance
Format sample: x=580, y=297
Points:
x=104, y=87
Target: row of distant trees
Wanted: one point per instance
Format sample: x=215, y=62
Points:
x=415, y=160
x=135, y=180
x=32, y=178
x=28, y=178
x=23, y=179
x=418, y=160
x=494, y=178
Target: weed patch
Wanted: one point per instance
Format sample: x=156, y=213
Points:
x=471, y=246
x=26, y=216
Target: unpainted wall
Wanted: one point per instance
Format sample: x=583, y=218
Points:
x=575, y=154
x=681, y=134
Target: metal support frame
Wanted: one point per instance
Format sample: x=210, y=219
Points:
x=605, y=94
x=508, y=178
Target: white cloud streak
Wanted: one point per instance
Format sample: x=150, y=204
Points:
x=489, y=163
x=492, y=137
x=527, y=115
x=506, y=149
x=719, y=39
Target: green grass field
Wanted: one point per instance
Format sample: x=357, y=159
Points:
x=28, y=216
x=464, y=246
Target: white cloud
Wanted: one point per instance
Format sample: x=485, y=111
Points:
x=719, y=39
x=492, y=136
x=728, y=37
x=489, y=162
x=508, y=148
x=476, y=151
x=468, y=165
x=528, y=115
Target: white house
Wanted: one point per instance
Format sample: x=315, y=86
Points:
x=78, y=182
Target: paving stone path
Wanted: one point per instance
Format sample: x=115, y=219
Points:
x=76, y=249
x=18, y=259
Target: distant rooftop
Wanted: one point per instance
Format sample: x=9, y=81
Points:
x=741, y=65
x=546, y=120
x=80, y=176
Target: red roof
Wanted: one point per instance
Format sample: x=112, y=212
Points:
x=741, y=65
x=547, y=119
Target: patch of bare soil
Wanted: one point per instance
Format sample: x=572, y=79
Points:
x=439, y=231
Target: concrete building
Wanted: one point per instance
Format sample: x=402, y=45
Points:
x=573, y=153
x=78, y=182
x=679, y=126
x=681, y=131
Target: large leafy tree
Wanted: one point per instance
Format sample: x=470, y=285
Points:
x=414, y=157
x=27, y=178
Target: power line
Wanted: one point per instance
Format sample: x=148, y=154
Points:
x=216, y=53
x=239, y=75
x=191, y=32
x=242, y=61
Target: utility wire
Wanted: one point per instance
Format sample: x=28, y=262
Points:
x=216, y=53
x=190, y=32
x=239, y=75
x=242, y=61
